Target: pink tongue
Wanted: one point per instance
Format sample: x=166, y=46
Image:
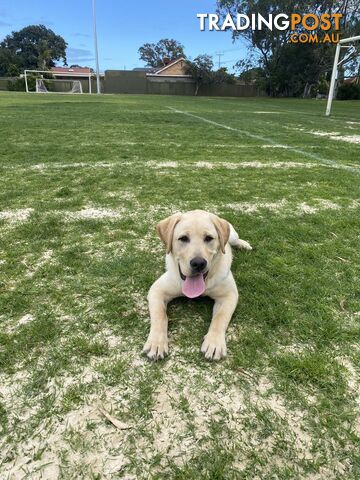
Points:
x=194, y=286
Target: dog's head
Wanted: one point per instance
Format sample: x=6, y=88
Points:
x=194, y=239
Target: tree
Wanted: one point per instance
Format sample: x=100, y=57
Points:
x=153, y=54
x=222, y=76
x=9, y=63
x=251, y=75
x=272, y=51
x=33, y=47
x=81, y=66
x=201, y=69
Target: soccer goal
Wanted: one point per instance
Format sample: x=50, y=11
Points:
x=54, y=85
x=57, y=86
x=344, y=43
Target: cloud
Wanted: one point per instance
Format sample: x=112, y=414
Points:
x=78, y=34
x=78, y=52
x=78, y=55
x=36, y=21
x=4, y=24
x=79, y=60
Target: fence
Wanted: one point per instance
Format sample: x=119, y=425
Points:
x=4, y=82
x=128, y=81
x=58, y=87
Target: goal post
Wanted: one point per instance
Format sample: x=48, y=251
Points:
x=41, y=82
x=344, y=43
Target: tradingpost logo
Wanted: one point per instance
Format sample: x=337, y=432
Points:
x=306, y=28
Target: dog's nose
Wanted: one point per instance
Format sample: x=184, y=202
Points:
x=198, y=264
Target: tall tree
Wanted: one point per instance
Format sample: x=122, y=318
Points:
x=201, y=70
x=272, y=51
x=34, y=47
x=154, y=54
x=9, y=63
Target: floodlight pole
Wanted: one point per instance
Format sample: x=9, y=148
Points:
x=96, y=50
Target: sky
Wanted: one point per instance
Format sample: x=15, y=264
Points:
x=122, y=28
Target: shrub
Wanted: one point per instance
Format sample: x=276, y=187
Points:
x=348, y=91
x=323, y=87
x=13, y=70
x=18, y=85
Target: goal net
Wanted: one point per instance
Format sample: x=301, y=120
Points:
x=58, y=86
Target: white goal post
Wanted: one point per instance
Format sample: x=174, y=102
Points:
x=344, y=43
x=40, y=82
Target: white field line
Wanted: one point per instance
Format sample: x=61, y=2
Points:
x=231, y=165
x=348, y=138
x=271, y=141
x=149, y=144
x=331, y=135
x=283, y=207
x=156, y=164
x=281, y=110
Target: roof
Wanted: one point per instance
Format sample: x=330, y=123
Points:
x=162, y=69
x=353, y=80
x=144, y=69
x=74, y=71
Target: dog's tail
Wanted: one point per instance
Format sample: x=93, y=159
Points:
x=236, y=242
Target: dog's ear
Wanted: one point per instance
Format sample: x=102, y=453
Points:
x=165, y=230
x=223, y=230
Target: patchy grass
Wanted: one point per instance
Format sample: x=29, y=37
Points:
x=84, y=181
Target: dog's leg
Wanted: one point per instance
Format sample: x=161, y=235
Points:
x=214, y=344
x=236, y=242
x=156, y=345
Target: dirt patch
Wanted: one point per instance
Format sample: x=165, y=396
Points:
x=92, y=213
x=16, y=216
x=348, y=138
x=337, y=136
x=43, y=260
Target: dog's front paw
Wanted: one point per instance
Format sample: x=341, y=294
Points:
x=243, y=245
x=156, y=347
x=214, y=346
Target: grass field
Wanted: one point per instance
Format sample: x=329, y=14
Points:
x=84, y=180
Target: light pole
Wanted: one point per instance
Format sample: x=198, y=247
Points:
x=96, y=51
x=219, y=54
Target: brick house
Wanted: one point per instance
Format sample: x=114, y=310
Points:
x=175, y=70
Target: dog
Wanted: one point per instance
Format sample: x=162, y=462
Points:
x=198, y=260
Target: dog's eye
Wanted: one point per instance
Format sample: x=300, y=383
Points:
x=208, y=238
x=184, y=239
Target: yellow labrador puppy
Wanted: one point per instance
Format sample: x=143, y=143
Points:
x=198, y=263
